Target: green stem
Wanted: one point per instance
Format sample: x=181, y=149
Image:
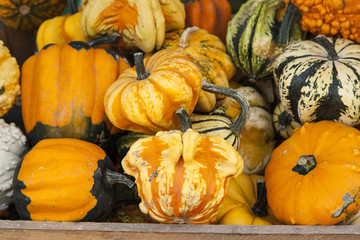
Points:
x=115, y=177
x=291, y=16
x=239, y=124
x=106, y=39
x=184, y=118
x=139, y=66
x=326, y=44
x=305, y=164
x=259, y=208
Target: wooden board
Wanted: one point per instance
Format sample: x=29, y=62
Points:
x=33, y=230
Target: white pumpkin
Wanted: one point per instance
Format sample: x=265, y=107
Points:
x=13, y=146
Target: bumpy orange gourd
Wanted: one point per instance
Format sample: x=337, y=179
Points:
x=313, y=176
x=210, y=55
x=330, y=17
x=182, y=176
x=146, y=101
x=211, y=15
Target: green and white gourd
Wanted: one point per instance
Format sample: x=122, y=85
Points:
x=13, y=146
x=319, y=79
x=283, y=122
x=255, y=36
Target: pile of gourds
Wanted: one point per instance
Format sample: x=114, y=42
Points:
x=190, y=113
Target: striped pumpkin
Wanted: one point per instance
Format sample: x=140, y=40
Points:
x=318, y=79
x=252, y=39
x=28, y=15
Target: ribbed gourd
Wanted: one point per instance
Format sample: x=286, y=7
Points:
x=318, y=80
x=257, y=33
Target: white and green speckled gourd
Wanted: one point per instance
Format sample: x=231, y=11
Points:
x=13, y=146
x=319, y=79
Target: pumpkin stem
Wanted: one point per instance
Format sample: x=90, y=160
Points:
x=284, y=120
x=72, y=6
x=184, y=118
x=305, y=164
x=139, y=66
x=115, y=177
x=239, y=124
x=259, y=208
x=184, y=40
x=291, y=16
x=328, y=46
x=106, y=39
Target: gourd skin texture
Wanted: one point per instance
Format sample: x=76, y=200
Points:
x=13, y=146
x=63, y=88
x=313, y=198
x=182, y=178
x=9, y=80
x=314, y=87
x=63, y=180
x=339, y=18
x=257, y=138
x=149, y=105
x=240, y=198
x=210, y=56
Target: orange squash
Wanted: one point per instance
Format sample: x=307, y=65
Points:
x=211, y=15
x=313, y=176
x=63, y=88
x=145, y=99
x=182, y=176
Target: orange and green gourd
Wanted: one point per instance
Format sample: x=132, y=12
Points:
x=26, y=15
x=340, y=18
x=65, y=179
x=63, y=89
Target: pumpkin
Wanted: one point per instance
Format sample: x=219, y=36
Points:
x=61, y=29
x=182, y=176
x=257, y=139
x=331, y=18
x=145, y=99
x=245, y=202
x=312, y=177
x=211, y=15
x=210, y=56
x=317, y=79
x=9, y=80
x=257, y=34
x=140, y=23
x=64, y=179
x=27, y=15
x=283, y=123
x=13, y=146
x=63, y=87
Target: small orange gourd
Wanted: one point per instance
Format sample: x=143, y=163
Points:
x=313, y=176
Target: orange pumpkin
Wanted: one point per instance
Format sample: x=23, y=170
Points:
x=211, y=15
x=145, y=99
x=313, y=176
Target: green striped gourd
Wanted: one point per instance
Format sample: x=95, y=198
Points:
x=257, y=33
x=318, y=79
x=283, y=122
